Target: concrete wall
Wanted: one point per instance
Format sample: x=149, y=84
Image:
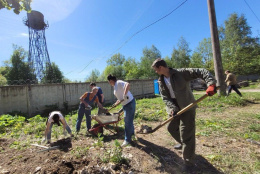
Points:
x=35, y=99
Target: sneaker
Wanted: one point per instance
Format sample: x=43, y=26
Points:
x=177, y=146
x=125, y=143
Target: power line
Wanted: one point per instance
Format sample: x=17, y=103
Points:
x=252, y=11
x=139, y=32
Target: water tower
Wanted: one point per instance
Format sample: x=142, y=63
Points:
x=38, y=53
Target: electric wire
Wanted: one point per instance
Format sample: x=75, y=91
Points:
x=139, y=32
x=252, y=11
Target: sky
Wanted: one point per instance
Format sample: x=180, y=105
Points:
x=83, y=34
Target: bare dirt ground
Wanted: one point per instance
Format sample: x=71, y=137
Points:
x=152, y=153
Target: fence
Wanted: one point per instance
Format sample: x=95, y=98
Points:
x=35, y=99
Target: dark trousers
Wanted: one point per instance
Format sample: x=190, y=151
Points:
x=234, y=88
x=182, y=129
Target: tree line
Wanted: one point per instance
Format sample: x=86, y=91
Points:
x=240, y=53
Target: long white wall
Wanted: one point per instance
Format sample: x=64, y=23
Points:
x=34, y=99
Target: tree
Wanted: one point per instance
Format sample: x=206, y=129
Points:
x=17, y=70
x=196, y=60
x=149, y=55
x=131, y=68
x=3, y=80
x=169, y=62
x=115, y=66
x=66, y=80
x=239, y=48
x=16, y=5
x=93, y=77
x=203, y=56
x=181, y=55
x=52, y=74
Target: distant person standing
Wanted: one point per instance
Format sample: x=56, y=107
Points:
x=99, y=94
x=231, y=83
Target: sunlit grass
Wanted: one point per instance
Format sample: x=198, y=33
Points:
x=210, y=123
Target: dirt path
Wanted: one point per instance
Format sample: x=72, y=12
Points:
x=153, y=153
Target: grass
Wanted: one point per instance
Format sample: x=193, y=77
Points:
x=230, y=130
x=253, y=85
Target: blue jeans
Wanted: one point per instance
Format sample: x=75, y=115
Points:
x=81, y=113
x=129, y=110
x=49, y=131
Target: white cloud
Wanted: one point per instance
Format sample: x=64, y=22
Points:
x=23, y=35
x=55, y=10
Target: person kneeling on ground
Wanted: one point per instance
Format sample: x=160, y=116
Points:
x=55, y=117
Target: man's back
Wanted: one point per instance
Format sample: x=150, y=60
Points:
x=231, y=79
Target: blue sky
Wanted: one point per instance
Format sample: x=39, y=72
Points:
x=83, y=34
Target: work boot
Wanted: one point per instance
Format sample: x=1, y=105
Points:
x=177, y=146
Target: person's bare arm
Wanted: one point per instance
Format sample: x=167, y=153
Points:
x=126, y=88
x=82, y=100
x=47, y=129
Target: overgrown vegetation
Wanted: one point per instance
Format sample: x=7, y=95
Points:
x=237, y=126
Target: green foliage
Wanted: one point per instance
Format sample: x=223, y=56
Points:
x=114, y=155
x=117, y=155
x=100, y=141
x=52, y=74
x=16, y=5
x=149, y=55
x=18, y=70
x=115, y=66
x=221, y=102
x=203, y=56
x=8, y=121
x=181, y=55
x=3, y=80
x=79, y=151
x=150, y=109
x=240, y=51
x=132, y=69
x=93, y=77
x=196, y=60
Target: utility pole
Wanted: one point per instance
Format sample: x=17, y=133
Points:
x=216, y=48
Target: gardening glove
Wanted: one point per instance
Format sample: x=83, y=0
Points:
x=211, y=90
x=88, y=107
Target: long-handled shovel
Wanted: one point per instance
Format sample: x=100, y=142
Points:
x=174, y=116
